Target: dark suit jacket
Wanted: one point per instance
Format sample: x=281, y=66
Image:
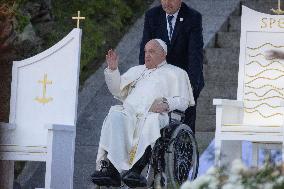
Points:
x=185, y=49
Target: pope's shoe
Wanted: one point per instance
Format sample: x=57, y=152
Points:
x=133, y=178
x=107, y=176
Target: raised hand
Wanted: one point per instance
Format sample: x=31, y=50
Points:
x=112, y=59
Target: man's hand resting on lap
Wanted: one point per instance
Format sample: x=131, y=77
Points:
x=159, y=106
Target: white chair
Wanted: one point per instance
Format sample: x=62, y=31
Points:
x=257, y=114
x=43, y=113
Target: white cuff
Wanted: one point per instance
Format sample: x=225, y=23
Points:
x=109, y=71
x=177, y=103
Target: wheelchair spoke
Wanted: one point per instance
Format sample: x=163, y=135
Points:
x=184, y=157
x=174, y=158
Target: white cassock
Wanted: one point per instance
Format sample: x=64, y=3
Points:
x=129, y=128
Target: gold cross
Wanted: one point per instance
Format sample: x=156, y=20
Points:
x=43, y=99
x=78, y=18
x=278, y=11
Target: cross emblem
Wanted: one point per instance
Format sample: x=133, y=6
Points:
x=278, y=11
x=78, y=18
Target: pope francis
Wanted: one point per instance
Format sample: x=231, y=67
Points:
x=148, y=92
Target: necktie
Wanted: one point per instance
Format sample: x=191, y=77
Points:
x=170, y=18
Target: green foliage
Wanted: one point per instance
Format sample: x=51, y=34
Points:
x=106, y=22
x=11, y=9
x=22, y=21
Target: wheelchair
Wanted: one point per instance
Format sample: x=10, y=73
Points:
x=175, y=156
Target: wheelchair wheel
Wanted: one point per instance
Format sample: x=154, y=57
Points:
x=182, y=157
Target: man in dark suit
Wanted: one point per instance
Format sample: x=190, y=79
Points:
x=181, y=28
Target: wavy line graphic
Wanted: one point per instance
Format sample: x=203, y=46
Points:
x=262, y=104
x=264, y=66
x=263, y=86
x=261, y=99
x=260, y=54
x=264, y=78
x=272, y=69
x=265, y=93
x=265, y=44
x=264, y=116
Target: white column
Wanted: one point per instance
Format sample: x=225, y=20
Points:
x=255, y=148
x=60, y=156
x=231, y=150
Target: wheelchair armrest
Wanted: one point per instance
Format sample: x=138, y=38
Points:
x=227, y=102
x=181, y=113
x=177, y=115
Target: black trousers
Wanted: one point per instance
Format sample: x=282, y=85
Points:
x=143, y=161
x=190, y=117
